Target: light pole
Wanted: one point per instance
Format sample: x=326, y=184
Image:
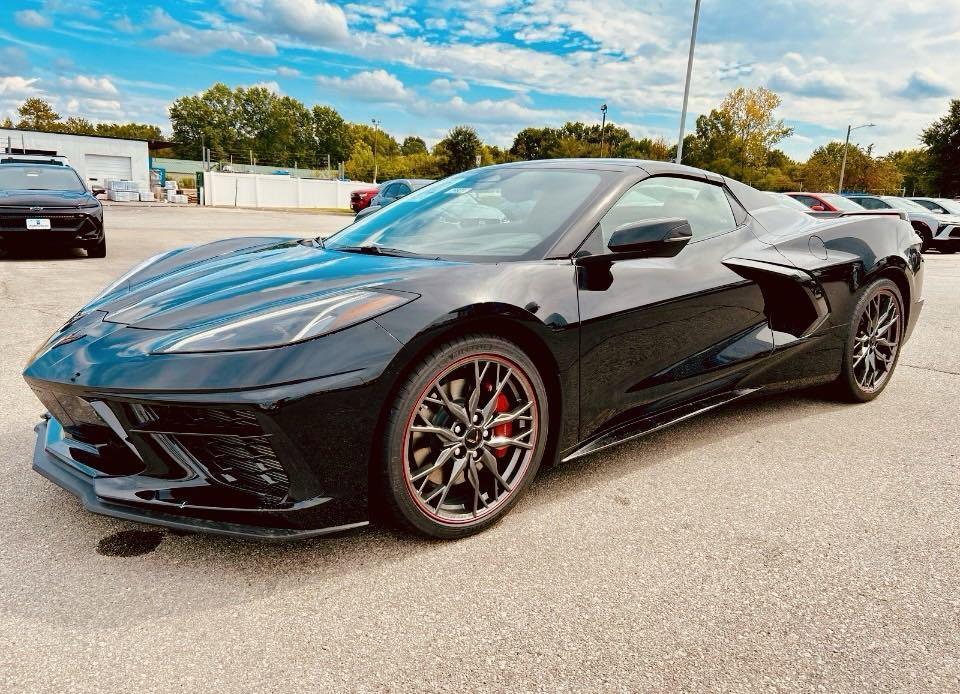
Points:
x=603, y=125
x=376, y=136
x=846, y=147
x=686, y=88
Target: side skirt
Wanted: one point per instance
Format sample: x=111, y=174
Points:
x=647, y=425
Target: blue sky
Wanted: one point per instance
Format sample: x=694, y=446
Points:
x=499, y=65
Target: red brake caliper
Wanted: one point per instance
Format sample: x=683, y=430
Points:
x=503, y=430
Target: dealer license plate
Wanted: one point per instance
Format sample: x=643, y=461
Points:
x=37, y=224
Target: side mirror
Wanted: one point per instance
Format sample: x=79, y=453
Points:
x=651, y=238
x=818, y=208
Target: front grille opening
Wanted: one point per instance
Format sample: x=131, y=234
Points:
x=228, y=446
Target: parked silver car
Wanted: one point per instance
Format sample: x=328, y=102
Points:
x=393, y=190
x=927, y=224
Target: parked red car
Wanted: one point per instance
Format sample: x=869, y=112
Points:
x=826, y=202
x=360, y=199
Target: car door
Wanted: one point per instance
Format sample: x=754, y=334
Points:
x=658, y=331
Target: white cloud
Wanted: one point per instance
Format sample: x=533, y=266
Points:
x=187, y=39
x=285, y=71
x=377, y=86
x=125, y=25
x=16, y=86
x=271, y=86
x=32, y=19
x=312, y=21
x=94, y=86
x=442, y=85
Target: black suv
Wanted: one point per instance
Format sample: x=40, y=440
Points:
x=44, y=204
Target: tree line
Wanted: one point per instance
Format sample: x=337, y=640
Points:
x=739, y=138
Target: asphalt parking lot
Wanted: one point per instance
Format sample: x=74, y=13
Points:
x=789, y=544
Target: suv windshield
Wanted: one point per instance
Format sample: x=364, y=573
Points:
x=40, y=178
x=906, y=205
x=485, y=214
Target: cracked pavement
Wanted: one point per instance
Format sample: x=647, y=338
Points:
x=786, y=544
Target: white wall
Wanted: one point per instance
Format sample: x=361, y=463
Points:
x=256, y=190
x=76, y=147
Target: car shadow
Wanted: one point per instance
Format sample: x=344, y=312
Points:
x=143, y=585
x=43, y=253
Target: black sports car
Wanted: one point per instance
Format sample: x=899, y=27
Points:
x=43, y=205
x=421, y=364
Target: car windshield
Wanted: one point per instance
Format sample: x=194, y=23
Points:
x=841, y=203
x=486, y=214
x=905, y=205
x=40, y=178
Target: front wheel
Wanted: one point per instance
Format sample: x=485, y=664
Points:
x=98, y=250
x=873, y=344
x=465, y=437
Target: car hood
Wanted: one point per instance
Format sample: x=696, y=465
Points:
x=189, y=288
x=45, y=198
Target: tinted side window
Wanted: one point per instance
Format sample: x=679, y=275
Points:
x=702, y=204
x=389, y=191
x=401, y=190
x=807, y=200
x=872, y=203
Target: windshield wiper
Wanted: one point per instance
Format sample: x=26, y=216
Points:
x=373, y=249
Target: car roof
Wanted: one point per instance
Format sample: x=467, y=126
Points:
x=33, y=165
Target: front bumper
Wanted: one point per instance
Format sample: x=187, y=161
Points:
x=232, y=468
x=101, y=495
x=73, y=229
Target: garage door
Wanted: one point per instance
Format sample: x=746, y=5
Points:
x=101, y=168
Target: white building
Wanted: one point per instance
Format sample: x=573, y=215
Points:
x=95, y=158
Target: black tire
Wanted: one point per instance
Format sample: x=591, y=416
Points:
x=926, y=237
x=849, y=385
x=400, y=474
x=99, y=250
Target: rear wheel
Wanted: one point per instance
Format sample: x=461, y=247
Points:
x=873, y=344
x=926, y=237
x=465, y=437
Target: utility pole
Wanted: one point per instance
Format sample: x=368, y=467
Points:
x=376, y=137
x=686, y=88
x=603, y=125
x=846, y=147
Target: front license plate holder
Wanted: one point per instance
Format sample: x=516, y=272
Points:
x=38, y=224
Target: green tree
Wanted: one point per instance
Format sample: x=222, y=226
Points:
x=387, y=146
x=78, y=126
x=211, y=119
x=535, y=143
x=413, y=145
x=129, y=131
x=458, y=151
x=942, y=139
x=864, y=172
x=37, y=114
x=915, y=167
x=332, y=135
x=736, y=138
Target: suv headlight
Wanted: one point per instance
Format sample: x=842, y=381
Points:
x=289, y=324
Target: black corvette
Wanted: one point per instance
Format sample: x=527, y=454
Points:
x=45, y=205
x=422, y=364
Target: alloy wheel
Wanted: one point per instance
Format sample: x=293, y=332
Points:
x=877, y=341
x=470, y=439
